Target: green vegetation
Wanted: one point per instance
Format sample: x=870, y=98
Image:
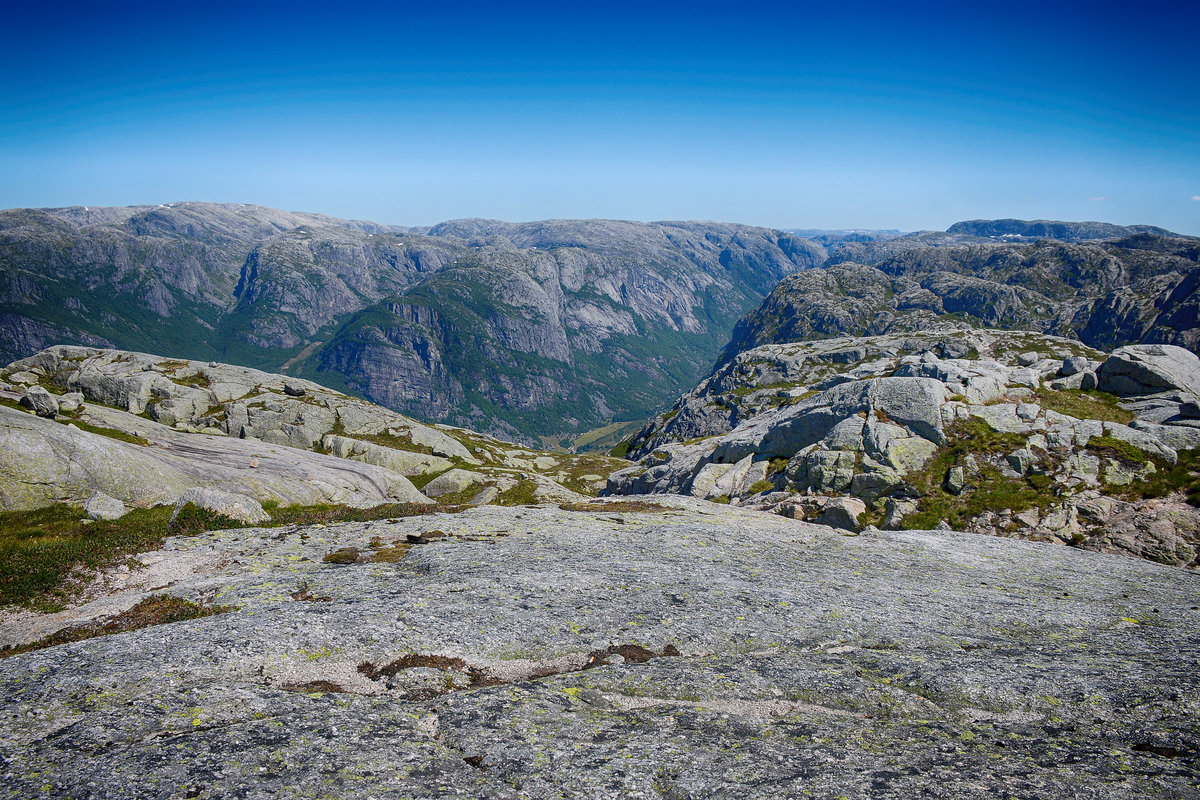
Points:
x=1084, y=405
x=111, y=433
x=989, y=490
x=46, y=555
x=41, y=550
x=523, y=494
x=158, y=609
x=1182, y=476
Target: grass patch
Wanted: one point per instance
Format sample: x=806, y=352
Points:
x=1182, y=476
x=620, y=451
x=1122, y=451
x=989, y=490
x=523, y=494
x=158, y=609
x=1084, y=405
x=41, y=550
x=46, y=555
x=762, y=486
x=111, y=433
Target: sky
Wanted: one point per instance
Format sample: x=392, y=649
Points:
x=796, y=115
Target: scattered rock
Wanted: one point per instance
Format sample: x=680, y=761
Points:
x=101, y=506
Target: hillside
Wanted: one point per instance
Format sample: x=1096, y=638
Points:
x=1142, y=288
x=349, y=603
x=537, y=329
x=995, y=432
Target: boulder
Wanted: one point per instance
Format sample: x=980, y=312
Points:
x=101, y=506
x=1075, y=365
x=453, y=482
x=1149, y=368
x=842, y=512
x=235, y=506
x=1028, y=359
x=40, y=401
x=70, y=402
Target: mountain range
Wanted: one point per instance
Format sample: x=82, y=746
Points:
x=544, y=331
x=545, y=328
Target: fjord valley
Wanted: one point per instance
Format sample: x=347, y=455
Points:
x=539, y=329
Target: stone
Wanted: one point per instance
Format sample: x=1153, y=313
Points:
x=24, y=377
x=70, y=402
x=843, y=513
x=453, y=482
x=1075, y=365
x=101, y=506
x=1149, y=368
x=235, y=506
x=955, y=480
x=40, y=401
x=1089, y=381
x=1021, y=461
x=1028, y=359
x=294, y=389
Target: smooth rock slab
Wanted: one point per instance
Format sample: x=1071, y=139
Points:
x=884, y=665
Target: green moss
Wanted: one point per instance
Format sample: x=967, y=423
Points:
x=990, y=490
x=1084, y=405
x=762, y=486
x=158, y=609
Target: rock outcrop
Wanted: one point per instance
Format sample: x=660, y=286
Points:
x=669, y=648
x=144, y=430
x=989, y=431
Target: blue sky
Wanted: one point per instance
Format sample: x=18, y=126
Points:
x=787, y=115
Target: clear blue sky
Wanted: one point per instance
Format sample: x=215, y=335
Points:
x=788, y=115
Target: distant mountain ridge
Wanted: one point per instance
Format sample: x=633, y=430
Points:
x=1142, y=288
x=529, y=329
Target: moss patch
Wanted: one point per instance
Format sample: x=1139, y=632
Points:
x=989, y=490
x=158, y=609
x=1084, y=405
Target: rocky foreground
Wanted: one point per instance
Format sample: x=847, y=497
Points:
x=619, y=649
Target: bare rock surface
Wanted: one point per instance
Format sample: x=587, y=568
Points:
x=44, y=462
x=868, y=417
x=694, y=650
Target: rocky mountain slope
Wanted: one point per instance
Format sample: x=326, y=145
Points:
x=547, y=328
x=78, y=424
x=1007, y=433
x=619, y=650
x=1142, y=288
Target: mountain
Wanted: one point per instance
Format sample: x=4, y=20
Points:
x=1141, y=288
x=533, y=330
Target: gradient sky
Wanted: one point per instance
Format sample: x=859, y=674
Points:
x=788, y=115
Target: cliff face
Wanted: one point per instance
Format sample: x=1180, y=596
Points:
x=1142, y=288
x=529, y=329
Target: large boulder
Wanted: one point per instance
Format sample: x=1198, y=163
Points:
x=227, y=504
x=101, y=506
x=1150, y=368
x=40, y=401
